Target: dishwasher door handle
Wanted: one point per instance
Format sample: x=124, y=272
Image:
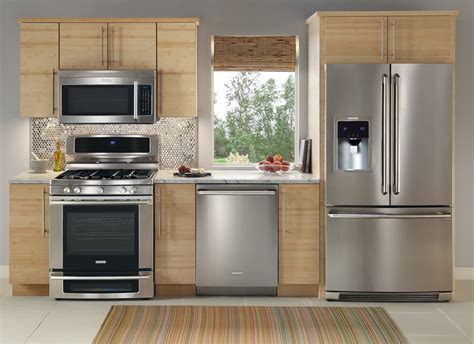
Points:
x=236, y=193
x=387, y=216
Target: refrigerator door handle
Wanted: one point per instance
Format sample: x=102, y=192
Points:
x=385, y=92
x=387, y=216
x=396, y=103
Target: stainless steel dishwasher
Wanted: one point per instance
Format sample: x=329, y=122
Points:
x=236, y=239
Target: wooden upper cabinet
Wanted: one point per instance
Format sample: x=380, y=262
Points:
x=355, y=39
x=132, y=45
x=38, y=64
x=176, y=56
x=175, y=234
x=83, y=45
x=421, y=39
x=29, y=234
x=298, y=234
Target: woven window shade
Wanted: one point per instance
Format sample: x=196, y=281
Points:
x=255, y=53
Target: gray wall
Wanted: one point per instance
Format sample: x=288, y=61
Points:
x=231, y=17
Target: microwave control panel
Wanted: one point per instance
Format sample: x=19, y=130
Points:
x=145, y=100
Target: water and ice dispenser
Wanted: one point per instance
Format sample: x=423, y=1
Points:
x=352, y=145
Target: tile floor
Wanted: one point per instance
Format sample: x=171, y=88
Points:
x=43, y=320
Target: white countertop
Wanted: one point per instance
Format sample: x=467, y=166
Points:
x=166, y=176
x=33, y=178
x=238, y=177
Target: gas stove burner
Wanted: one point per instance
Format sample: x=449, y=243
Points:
x=106, y=174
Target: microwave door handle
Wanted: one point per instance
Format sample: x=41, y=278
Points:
x=135, y=100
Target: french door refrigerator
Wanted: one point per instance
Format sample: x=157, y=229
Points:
x=388, y=182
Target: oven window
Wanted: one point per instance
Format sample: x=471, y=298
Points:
x=97, y=100
x=100, y=237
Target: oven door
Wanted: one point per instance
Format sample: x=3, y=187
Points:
x=101, y=234
x=101, y=247
x=106, y=97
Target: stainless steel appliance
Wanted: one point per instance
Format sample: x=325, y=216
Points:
x=107, y=96
x=388, y=182
x=101, y=219
x=236, y=239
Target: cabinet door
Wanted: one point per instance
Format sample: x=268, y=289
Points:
x=428, y=39
x=132, y=46
x=38, y=65
x=356, y=39
x=175, y=234
x=176, y=49
x=299, y=234
x=29, y=234
x=83, y=45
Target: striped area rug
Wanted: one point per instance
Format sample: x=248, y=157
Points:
x=203, y=324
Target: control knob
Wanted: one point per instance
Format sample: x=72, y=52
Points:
x=77, y=190
x=67, y=190
x=100, y=190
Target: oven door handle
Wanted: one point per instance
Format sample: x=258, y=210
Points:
x=99, y=278
x=80, y=202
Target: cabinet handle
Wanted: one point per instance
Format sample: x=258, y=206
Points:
x=102, y=46
x=160, y=91
x=393, y=39
x=283, y=215
x=112, y=46
x=54, y=100
x=43, y=215
x=158, y=213
x=383, y=36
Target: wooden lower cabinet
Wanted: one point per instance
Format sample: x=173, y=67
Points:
x=175, y=239
x=29, y=239
x=298, y=240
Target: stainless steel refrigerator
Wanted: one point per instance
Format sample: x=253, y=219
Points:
x=388, y=182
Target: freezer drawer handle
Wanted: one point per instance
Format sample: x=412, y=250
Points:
x=388, y=216
x=236, y=193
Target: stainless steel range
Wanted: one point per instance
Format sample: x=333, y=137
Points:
x=101, y=218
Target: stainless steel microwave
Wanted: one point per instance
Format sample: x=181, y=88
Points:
x=107, y=96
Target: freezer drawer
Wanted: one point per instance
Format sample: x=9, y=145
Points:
x=236, y=238
x=388, y=250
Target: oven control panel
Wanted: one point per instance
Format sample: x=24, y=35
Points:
x=95, y=190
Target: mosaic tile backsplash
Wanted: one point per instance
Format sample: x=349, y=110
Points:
x=177, y=137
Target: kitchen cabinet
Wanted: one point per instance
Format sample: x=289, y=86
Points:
x=387, y=37
x=356, y=39
x=176, y=58
x=132, y=45
x=83, y=45
x=175, y=238
x=421, y=39
x=298, y=239
x=108, y=46
x=29, y=239
x=38, y=66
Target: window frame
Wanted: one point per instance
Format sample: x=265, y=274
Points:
x=251, y=166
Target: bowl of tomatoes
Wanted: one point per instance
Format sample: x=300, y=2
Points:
x=274, y=164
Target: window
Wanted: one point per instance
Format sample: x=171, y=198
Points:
x=254, y=98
